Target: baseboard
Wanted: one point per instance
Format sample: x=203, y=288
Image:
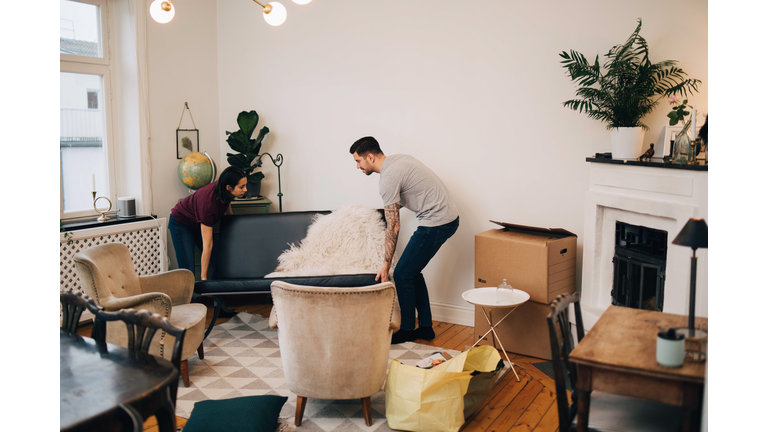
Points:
x=462, y=315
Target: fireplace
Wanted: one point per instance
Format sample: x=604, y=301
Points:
x=631, y=214
x=639, y=263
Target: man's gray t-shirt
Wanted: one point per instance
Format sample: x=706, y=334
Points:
x=408, y=181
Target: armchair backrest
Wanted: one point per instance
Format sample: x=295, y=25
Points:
x=334, y=342
x=107, y=271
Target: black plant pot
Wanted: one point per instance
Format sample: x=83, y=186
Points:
x=253, y=189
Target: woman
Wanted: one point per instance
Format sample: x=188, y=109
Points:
x=192, y=219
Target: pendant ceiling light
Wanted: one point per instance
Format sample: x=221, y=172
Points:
x=162, y=11
x=274, y=13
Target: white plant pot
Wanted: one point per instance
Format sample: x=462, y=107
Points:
x=627, y=143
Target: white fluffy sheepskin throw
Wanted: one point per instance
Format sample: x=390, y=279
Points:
x=350, y=240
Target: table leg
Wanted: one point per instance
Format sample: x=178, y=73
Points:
x=166, y=413
x=496, y=336
x=692, y=406
x=584, y=391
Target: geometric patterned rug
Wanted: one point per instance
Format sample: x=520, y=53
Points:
x=242, y=358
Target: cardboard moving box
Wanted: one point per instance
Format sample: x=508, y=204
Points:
x=539, y=261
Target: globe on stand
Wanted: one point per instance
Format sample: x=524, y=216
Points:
x=196, y=170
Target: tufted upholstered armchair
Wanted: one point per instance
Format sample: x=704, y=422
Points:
x=334, y=342
x=107, y=276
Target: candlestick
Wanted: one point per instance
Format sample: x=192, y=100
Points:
x=693, y=123
x=103, y=216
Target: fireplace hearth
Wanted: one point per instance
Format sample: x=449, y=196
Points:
x=639, y=264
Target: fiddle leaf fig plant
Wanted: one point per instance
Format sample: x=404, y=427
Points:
x=627, y=86
x=246, y=147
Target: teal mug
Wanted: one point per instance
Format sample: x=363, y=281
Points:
x=670, y=349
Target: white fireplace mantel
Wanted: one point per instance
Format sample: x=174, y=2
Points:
x=654, y=197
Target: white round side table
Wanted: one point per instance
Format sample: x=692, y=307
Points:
x=489, y=298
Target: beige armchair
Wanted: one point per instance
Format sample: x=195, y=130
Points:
x=107, y=275
x=334, y=342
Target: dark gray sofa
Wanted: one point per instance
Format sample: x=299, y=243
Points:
x=248, y=250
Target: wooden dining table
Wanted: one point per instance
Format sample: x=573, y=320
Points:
x=96, y=379
x=618, y=356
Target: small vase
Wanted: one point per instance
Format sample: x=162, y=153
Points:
x=681, y=150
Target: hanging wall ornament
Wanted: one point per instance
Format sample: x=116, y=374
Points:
x=187, y=140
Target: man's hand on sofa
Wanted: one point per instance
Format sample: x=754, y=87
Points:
x=383, y=274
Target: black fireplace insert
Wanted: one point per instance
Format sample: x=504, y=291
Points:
x=639, y=265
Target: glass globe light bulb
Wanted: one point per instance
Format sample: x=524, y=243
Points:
x=301, y=2
x=158, y=14
x=277, y=15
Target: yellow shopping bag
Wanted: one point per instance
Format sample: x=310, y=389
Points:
x=432, y=400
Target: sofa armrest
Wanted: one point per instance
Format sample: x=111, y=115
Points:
x=157, y=302
x=177, y=284
x=394, y=321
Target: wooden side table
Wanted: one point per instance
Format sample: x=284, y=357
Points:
x=250, y=205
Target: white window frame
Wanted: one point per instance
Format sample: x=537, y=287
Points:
x=103, y=67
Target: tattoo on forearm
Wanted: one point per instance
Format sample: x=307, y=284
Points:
x=392, y=215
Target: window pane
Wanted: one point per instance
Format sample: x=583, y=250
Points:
x=80, y=32
x=82, y=140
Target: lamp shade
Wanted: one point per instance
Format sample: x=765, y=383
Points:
x=277, y=15
x=694, y=234
x=158, y=14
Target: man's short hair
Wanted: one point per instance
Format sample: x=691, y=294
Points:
x=365, y=145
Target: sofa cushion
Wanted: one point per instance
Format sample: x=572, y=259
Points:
x=238, y=286
x=246, y=414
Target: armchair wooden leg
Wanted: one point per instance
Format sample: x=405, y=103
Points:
x=301, y=403
x=367, y=411
x=184, y=372
x=200, y=352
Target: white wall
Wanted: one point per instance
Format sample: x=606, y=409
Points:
x=473, y=90
x=182, y=68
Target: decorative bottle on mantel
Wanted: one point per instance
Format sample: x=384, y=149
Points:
x=681, y=150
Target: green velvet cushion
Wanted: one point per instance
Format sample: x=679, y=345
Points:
x=240, y=414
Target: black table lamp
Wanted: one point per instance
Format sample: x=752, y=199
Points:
x=694, y=235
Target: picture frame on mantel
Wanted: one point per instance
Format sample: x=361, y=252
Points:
x=670, y=132
x=187, y=141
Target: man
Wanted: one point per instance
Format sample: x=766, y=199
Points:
x=406, y=182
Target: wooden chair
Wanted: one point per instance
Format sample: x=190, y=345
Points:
x=141, y=327
x=607, y=411
x=73, y=305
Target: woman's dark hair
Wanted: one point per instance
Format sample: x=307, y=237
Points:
x=229, y=177
x=365, y=145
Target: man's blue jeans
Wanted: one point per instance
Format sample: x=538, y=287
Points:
x=411, y=288
x=185, y=238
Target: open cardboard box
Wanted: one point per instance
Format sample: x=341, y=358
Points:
x=539, y=261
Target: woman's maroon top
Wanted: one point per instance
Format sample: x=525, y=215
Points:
x=202, y=207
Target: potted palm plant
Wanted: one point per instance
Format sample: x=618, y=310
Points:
x=624, y=89
x=247, y=150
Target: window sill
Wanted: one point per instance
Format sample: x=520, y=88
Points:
x=94, y=223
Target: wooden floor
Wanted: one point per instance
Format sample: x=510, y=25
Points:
x=528, y=405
